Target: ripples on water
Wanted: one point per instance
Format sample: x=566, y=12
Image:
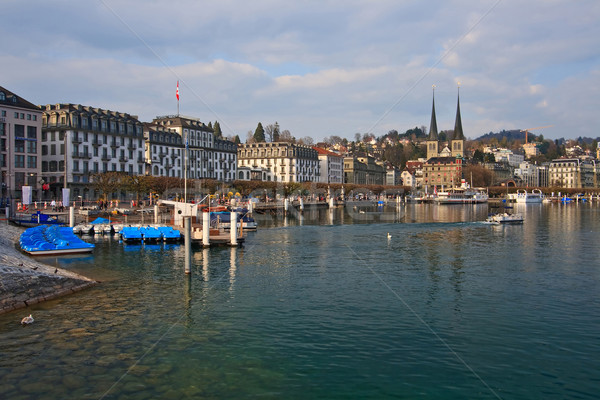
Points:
x=444, y=309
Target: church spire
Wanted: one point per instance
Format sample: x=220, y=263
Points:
x=433, y=131
x=458, y=129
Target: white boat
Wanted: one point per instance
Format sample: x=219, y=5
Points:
x=505, y=218
x=522, y=196
x=461, y=196
x=87, y=229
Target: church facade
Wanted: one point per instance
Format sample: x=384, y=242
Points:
x=443, y=167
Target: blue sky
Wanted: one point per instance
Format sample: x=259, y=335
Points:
x=318, y=68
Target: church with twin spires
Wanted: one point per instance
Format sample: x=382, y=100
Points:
x=443, y=167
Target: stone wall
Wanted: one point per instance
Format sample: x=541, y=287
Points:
x=24, y=281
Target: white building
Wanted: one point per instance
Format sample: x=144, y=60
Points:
x=254, y=174
x=393, y=177
x=207, y=156
x=507, y=156
x=573, y=173
x=88, y=140
x=408, y=178
x=331, y=166
x=164, y=151
x=287, y=162
x=20, y=152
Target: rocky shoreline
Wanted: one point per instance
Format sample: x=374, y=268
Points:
x=25, y=281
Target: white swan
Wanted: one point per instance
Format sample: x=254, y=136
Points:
x=27, y=320
x=389, y=236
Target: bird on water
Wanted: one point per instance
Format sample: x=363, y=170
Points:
x=27, y=320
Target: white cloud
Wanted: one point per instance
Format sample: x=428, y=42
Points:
x=322, y=68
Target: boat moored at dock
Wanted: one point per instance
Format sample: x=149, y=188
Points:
x=522, y=196
x=52, y=240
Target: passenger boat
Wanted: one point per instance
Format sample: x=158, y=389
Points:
x=505, y=218
x=461, y=196
x=522, y=196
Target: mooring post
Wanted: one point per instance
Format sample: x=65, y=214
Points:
x=206, y=229
x=156, y=213
x=286, y=204
x=71, y=216
x=250, y=206
x=233, y=229
x=331, y=202
x=187, y=224
x=301, y=204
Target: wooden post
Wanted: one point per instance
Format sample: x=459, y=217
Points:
x=156, y=214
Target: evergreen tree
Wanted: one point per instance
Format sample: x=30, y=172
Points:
x=236, y=139
x=217, y=130
x=259, y=134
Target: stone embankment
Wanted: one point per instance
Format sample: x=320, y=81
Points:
x=25, y=281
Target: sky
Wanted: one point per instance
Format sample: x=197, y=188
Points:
x=318, y=68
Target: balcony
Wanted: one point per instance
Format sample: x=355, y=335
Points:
x=96, y=143
x=114, y=144
x=81, y=155
x=123, y=159
x=76, y=140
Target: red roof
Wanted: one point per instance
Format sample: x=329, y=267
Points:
x=322, y=151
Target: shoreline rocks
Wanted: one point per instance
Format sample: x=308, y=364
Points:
x=25, y=281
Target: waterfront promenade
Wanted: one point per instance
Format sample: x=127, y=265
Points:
x=25, y=281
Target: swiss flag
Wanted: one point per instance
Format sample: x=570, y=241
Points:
x=177, y=92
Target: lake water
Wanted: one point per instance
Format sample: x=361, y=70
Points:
x=325, y=306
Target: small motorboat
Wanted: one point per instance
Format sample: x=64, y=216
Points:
x=505, y=218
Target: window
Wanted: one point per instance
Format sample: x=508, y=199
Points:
x=19, y=161
x=31, y=162
x=19, y=146
x=31, y=147
x=2, y=96
x=28, y=117
x=3, y=113
x=32, y=132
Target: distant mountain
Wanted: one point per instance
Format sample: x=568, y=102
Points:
x=511, y=135
x=516, y=134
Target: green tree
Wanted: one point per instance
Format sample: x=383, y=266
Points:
x=236, y=139
x=217, y=130
x=259, y=134
x=478, y=156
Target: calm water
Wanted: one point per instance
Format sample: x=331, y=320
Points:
x=327, y=307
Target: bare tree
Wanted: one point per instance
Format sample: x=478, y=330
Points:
x=250, y=137
x=306, y=141
x=286, y=136
x=269, y=129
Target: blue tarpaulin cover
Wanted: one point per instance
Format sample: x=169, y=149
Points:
x=100, y=221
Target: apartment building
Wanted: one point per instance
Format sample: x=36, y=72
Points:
x=79, y=141
x=205, y=155
x=331, y=166
x=20, y=153
x=287, y=162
